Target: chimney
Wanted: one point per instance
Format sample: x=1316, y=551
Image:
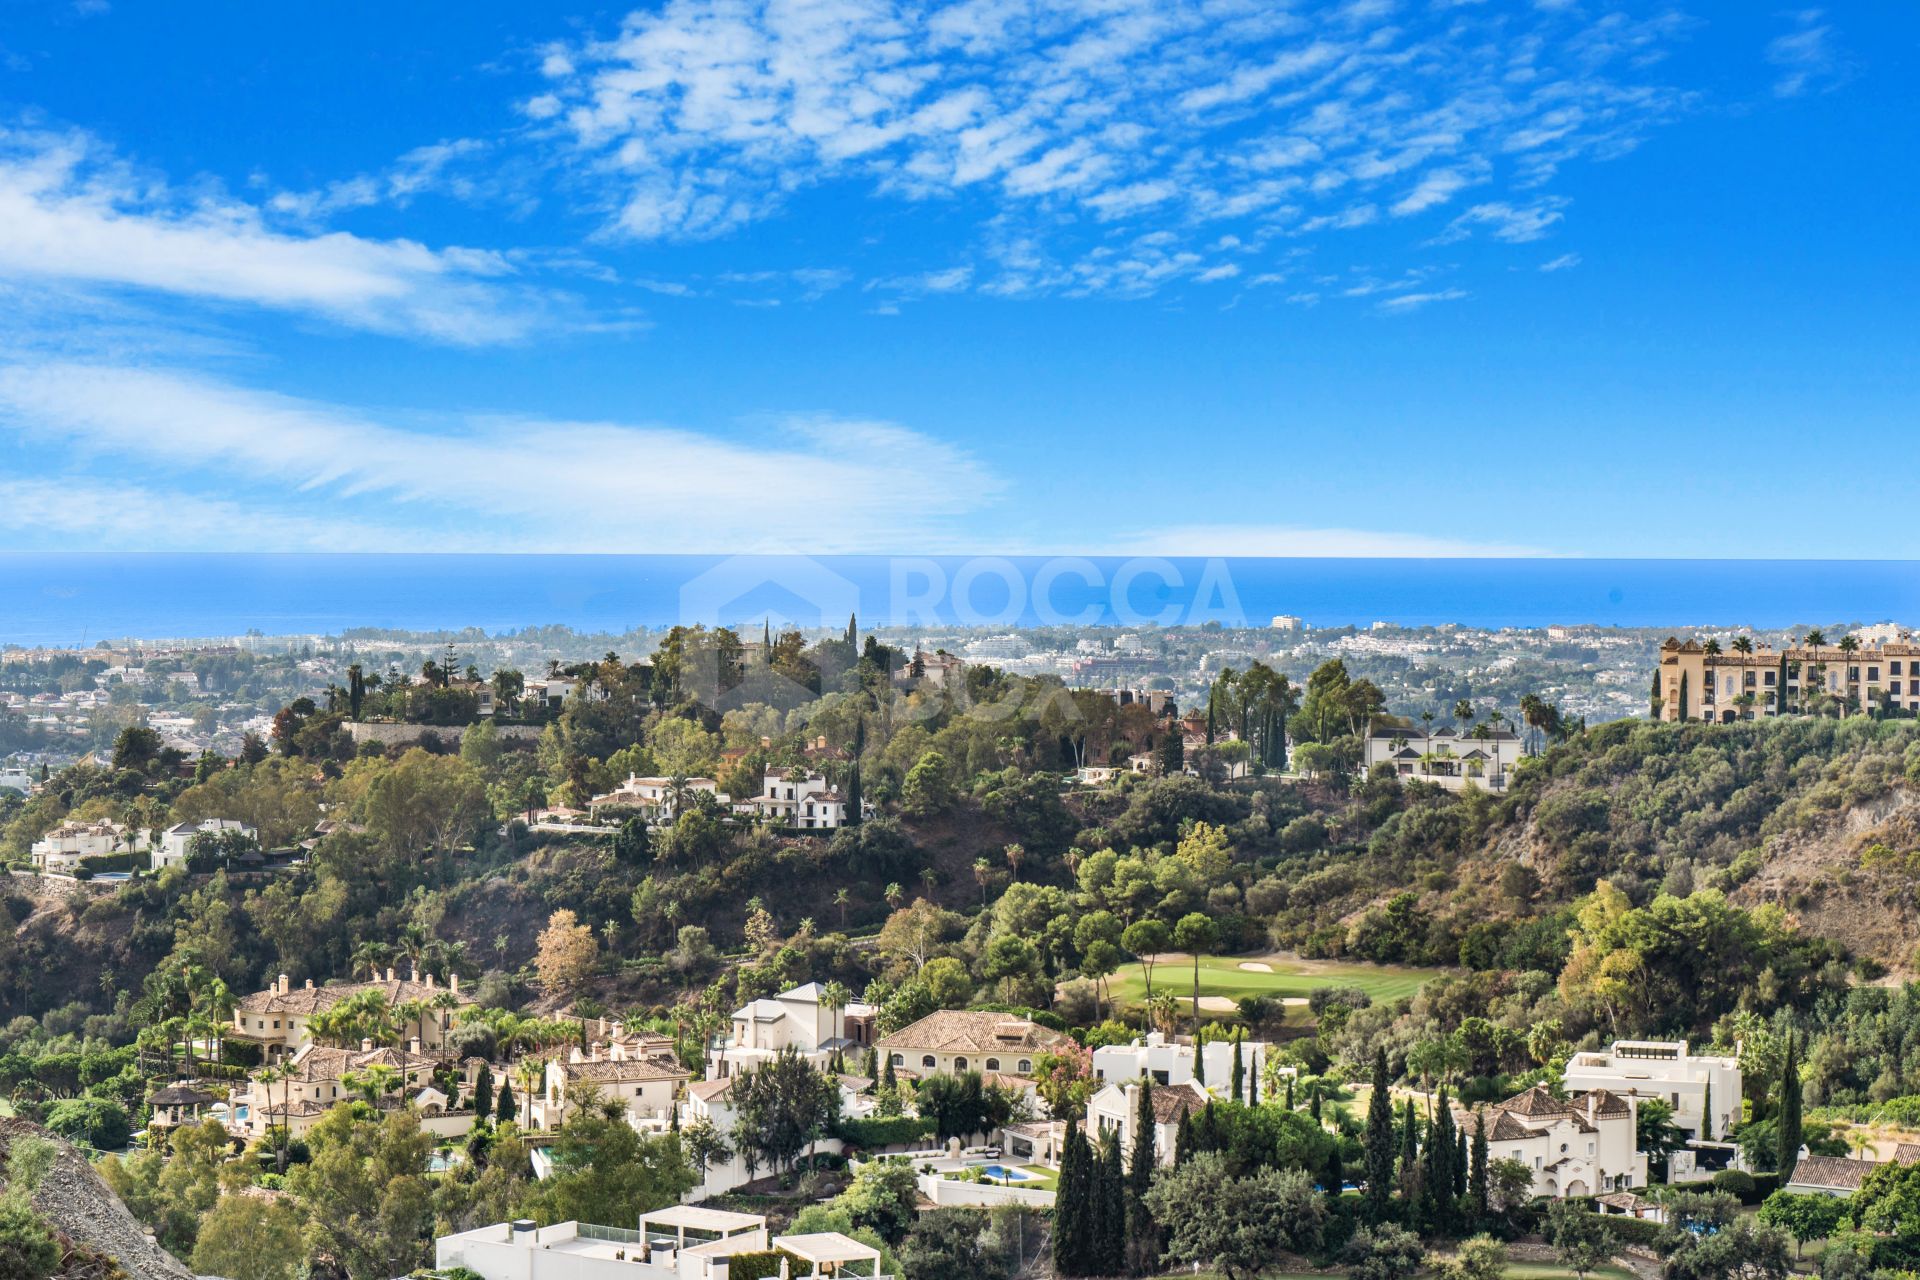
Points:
x=283, y=984
x=413, y=1046
x=389, y=973
x=366, y=1045
x=453, y=983
x=416, y=971
x=1593, y=1106
x=429, y=979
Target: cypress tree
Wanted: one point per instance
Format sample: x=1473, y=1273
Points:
x=1199, y=1059
x=1409, y=1137
x=1289, y=1093
x=483, y=1091
x=1143, y=1245
x=1110, y=1246
x=1100, y=1227
x=1479, y=1186
x=853, y=632
x=1067, y=1205
x=1239, y=1073
x=1183, y=1139
x=887, y=1079
x=1460, y=1161
x=855, y=798
x=1253, y=1087
x=1379, y=1141
x=1436, y=1190
x=1653, y=703
x=1706, y=1112
x=1787, y=1155
x=1335, y=1175
x=1313, y=1106
x=1683, y=695
x=1780, y=692
x=503, y=1105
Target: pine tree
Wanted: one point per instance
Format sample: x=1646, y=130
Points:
x=1787, y=1155
x=483, y=1091
x=1239, y=1073
x=1479, y=1187
x=1379, y=1141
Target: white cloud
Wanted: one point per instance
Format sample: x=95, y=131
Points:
x=72, y=215
x=1225, y=271
x=1516, y=224
x=699, y=116
x=67, y=512
x=526, y=484
x=1414, y=301
x=1562, y=263
x=1286, y=540
x=1806, y=56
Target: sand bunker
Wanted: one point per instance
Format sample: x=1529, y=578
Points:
x=1217, y=1004
x=1256, y=966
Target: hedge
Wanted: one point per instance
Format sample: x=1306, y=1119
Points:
x=885, y=1131
x=758, y=1266
x=1633, y=1230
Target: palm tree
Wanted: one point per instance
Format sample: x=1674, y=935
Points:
x=1743, y=644
x=1016, y=854
x=894, y=895
x=841, y=897
x=981, y=870
x=1426, y=721
x=268, y=1077
x=1463, y=712
x=443, y=1002
x=528, y=1072
x=1815, y=638
x=1711, y=647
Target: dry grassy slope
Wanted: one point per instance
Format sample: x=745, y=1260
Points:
x=79, y=1205
x=1813, y=873
x=1817, y=877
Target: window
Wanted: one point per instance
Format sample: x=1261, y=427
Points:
x=898, y=1060
x=1026, y=1067
x=993, y=1064
x=928, y=1062
x=959, y=1064
x=1893, y=668
x=1873, y=675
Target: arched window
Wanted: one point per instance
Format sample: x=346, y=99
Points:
x=959, y=1064
x=993, y=1064
x=898, y=1059
x=928, y=1062
x=1026, y=1066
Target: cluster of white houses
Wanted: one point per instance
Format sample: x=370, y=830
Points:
x=796, y=798
x=1445, y=757
x=61, y=850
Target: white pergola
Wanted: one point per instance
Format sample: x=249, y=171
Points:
x=831, y=1254
x=685, y=1225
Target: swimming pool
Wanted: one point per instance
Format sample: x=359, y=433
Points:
x=1000, y=1173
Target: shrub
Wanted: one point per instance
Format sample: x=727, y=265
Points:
x=1736, y=1182
x=875, y=1132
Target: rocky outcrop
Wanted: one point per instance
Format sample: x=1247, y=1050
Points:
x=80, y=1206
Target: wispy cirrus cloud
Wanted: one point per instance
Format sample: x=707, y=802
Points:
x=476, y=481
x=74, y=215
x=1807, y=57
x=1072, y=133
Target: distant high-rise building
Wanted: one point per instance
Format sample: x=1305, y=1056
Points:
x=1288, y=622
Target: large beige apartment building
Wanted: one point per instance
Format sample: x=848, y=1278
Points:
x=1699, y=681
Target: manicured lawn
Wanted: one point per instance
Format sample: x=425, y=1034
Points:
x=1222, y=976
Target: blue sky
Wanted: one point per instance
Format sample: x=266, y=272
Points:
x=1221, y=277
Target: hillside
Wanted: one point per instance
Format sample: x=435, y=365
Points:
x=94, y=1225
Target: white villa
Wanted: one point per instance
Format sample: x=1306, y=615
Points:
x=952, y=1041
x=1575, y=1146
x=323, y=1075
x=657, y=799
x=1171, y=1063
x=1115, y=1109
x=646, y=1084
x=1703, y=1089
x=686, y=1242
x=177, y=841
x=712, y=1101
x=60, y=850
x=799, y=799
x=799, y=1019
x=1444, y=757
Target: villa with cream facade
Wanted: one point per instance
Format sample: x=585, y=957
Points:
x=800, y=1020
x=1728, y=686
x=276, y=1019
x=1576, y=1147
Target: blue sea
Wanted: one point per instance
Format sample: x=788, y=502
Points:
x=82, y=598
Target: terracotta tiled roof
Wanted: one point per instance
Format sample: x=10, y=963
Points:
x=974, y=1031
x=1834, y=1172
x=310, y=1000
x=180, y=1095
x=318, y=1062
x=622, y=1070
x=1907, y=1153
x=1171, y=1103
x=1507, y=1129
x=708, y=1090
